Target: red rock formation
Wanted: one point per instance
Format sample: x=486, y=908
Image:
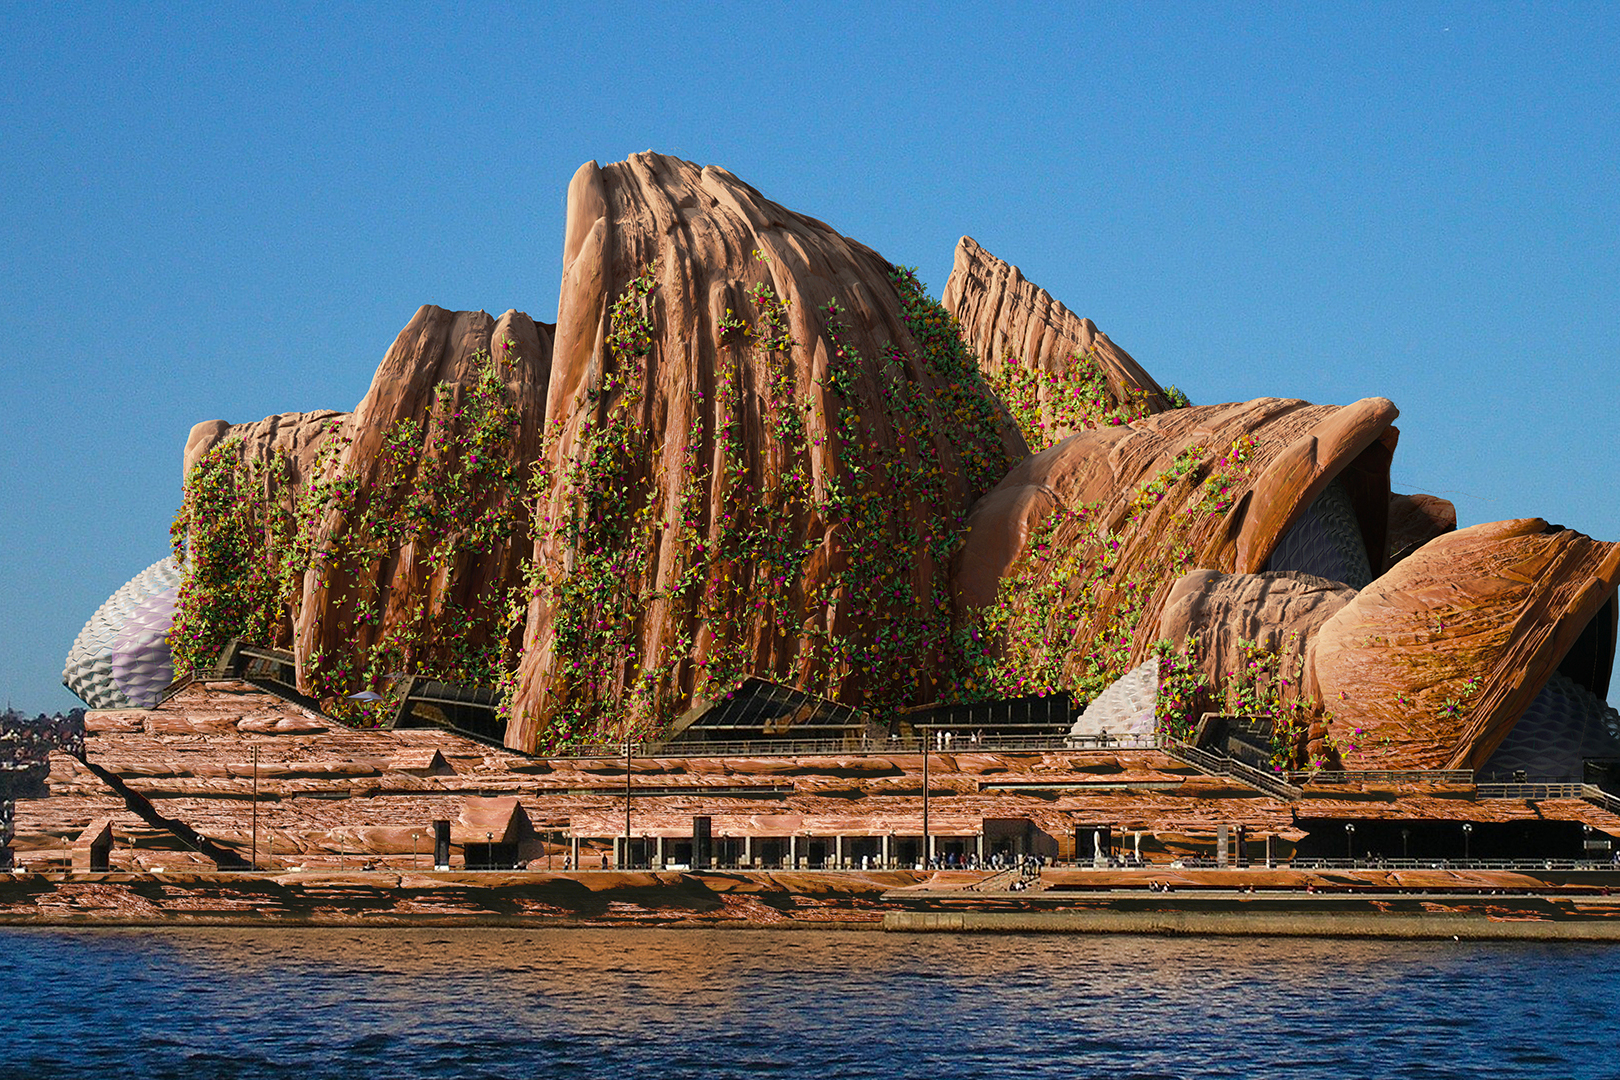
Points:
x=1414, y=520
x=1431, y=665
x=746, y=480
x=1277, y=611
x=422, y=536
x=1079, y=547
x=1039, y=355
x=755, y=449
x=341, y=799
x=284, y=446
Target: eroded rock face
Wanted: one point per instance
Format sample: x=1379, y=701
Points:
x=1414, y=520
x=1280, y=612
x=1432, y=664
x=285, y=447
x=755, y=447
x=1078, y=549
x=1058, y=372
x=765, y=444
x=421, y=541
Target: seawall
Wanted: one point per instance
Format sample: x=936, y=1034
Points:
x=1471, y=906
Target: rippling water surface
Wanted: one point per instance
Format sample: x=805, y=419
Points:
x=699, y=1003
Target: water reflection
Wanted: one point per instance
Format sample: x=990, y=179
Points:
x=674, y=1003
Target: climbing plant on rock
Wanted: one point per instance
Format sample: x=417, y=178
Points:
x=447, y=492
x=597, y=603
x=1069, y=614
x=1049, y=403
x=228, y=533
x=768, y=466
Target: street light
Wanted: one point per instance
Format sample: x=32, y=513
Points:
x=255, y=806
x=1350, y=841
x=1468, y=831
x=1406, y=834
x=624, y=863
x=924, y=859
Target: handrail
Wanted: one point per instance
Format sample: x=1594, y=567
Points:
x=1593, y=793
x=1313, y=863
x=998, y=881
x=1350, y=776
x=1570, y=790
x=817, y=747
x=1220, y=765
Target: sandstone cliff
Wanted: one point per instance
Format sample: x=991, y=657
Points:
x=284, y=447
x=1414, y=520
x=752, y=446
x=1433, y=664
x=1069, y=562
x=1057, y=372
x=763, y=440
x=421, y=533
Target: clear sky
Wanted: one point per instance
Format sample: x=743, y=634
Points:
x=228, y=216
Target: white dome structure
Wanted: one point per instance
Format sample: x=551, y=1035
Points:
x=1126, y=708
x=121, y=658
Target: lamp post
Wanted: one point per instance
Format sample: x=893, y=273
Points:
x=624, y=861
x=924, y=856
x=1468, y=831
x=1406, y=834
x=1350, y=841
x=255, y=806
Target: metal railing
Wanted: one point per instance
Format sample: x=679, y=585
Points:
x=832, y=747
x=1548, y=790
x=1307, y=863
x=1382, y=776
x=1593, y=793
x=1220, y=765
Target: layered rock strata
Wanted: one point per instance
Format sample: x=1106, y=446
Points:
x=755, y=449
x=1228, y=613
x=1414, y=520
x=329, y=798
x=284, y=448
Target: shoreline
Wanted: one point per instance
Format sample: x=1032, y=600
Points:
x=1479, y=905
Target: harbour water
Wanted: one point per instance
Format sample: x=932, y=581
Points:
x=200, y=1003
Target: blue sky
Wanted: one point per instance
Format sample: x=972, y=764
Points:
x=232, y=215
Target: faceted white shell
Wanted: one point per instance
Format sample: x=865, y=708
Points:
x=121, y=658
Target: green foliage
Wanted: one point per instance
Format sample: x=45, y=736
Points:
x=1045, y=403
x=1183, y=688
x=1068, y=615
x=1266, y=685
x=450, y=495
x=732, y=542
x=597, y=605
x=225, y=534
x=1177, y=398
